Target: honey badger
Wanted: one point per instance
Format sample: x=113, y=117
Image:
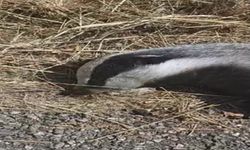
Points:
x=219, y=67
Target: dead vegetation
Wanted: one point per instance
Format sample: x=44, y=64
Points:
x=41, y=34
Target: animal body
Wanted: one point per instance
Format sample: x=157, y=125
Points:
x=223, y=68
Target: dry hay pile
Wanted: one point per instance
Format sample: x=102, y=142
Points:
x=40, y=34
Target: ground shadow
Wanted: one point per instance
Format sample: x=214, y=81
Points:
x=237, y=105
x=234, y=104
x=63, y=76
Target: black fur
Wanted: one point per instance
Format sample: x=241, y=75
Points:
x=225, y=80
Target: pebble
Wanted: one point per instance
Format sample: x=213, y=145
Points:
x=6, y=119
x=15, y=112
x=236, y=134
x=59, y=145
x=71, y=142
x=122, y=138
x=172, y=131
x=158, y=139
x=66, y=145
x=24, y=127
x=33, y=128
x=28, y=147
x=39, y=134
x=58, y=131
x=179, y=146
x=174, y=139
x=33, y=117
x=84, y=120
x=6, y=132
x=56, y=138
x=85, y=147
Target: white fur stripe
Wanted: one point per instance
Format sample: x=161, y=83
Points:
x=141, y=75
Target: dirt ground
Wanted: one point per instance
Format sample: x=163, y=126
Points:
x=43, y=42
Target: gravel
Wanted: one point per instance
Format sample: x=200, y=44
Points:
x=25, y=130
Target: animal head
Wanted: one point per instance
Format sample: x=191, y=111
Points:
x=84, y=73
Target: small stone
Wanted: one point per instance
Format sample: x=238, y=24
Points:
x=239, y=125
x=76, y=135
x=174, y=139
x=5, y=119
x=56, y=138
x=158, y=139
x=73, y=121
x=85, y=147
x=139, y=148
x=21, y=135
x=64, y=115
x=58, y=131
x=15, y=112
x=6, y=132
x=236, y=134
x=59, y=145
x=32, y=116
x=226, y=131
x=150, y=142
x=64, y=138
x=84, y=120
x=8, y=138
x=66, y=145
x=34, y=128
x=81, y=140
x=39, y=134
x=122, y=138
x=15, y=125
x=16, y=144
x=179, y=146
x=71, y=142
x=28, y=147
x=172, y=132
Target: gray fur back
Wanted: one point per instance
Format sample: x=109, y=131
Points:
x=201, y=50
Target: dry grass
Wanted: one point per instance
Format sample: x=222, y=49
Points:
x=39, y=34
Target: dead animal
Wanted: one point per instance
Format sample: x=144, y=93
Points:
x=223, y=68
